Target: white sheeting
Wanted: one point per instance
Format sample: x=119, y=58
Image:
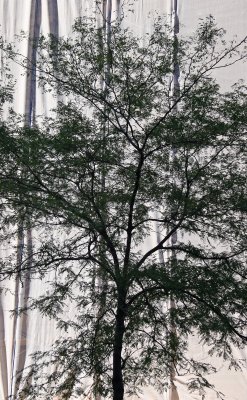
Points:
x=18, y=339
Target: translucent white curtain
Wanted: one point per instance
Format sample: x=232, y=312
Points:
x=21, y=337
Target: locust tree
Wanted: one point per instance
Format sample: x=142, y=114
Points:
x=136, y=189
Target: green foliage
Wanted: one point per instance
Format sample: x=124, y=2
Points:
x=126, y=155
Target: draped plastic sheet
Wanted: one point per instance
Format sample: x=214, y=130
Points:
x=20, y=337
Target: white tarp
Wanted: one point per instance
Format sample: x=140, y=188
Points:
x=20, y=337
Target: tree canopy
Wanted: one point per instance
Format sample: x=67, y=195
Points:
x=135, y=187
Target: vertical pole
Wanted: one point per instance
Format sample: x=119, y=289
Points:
x=106, y=12
x=19, y=350
x=173, y=395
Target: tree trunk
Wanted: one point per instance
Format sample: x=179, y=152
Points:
x=117, y=379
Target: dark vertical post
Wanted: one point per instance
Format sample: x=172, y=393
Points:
x=173, y=395
x=20, y=329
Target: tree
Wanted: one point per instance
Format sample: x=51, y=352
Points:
x=127, y=154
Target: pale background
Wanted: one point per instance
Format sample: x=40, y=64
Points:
x=19, y=338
